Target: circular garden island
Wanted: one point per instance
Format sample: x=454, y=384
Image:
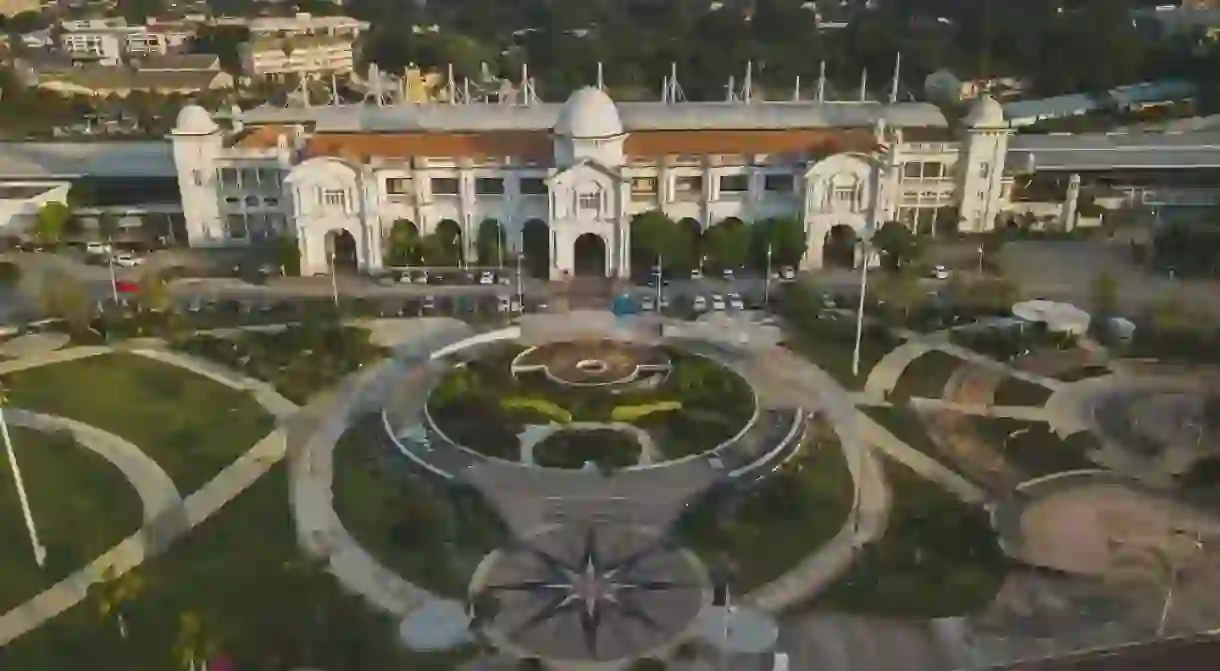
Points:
x=573, y=404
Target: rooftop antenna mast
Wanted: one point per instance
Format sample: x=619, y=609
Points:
x=747, y=89
x=601, y=82
x=894, y=83
x=335, y=101
x=731, y=90
x=466, y=91
x=374, y=80
x=450, y=86
x=528, y=94
x=673, y=92
x=796, y=90
x=864, y=85
x=822, y=82
x=665, y=89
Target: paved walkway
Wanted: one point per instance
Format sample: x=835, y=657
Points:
x=168, y=525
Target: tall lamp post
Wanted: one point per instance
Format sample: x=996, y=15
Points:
x=883, y=173
x=114, y=285
x=767, y=279
x=520, y=257
x=334, y=280
x=40, y=552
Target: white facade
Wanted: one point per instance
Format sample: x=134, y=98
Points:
x=278, y=57
x=594, y=181
x=107, y=41
x=306, y=24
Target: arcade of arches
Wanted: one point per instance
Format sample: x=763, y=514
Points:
x=536, y=247
x=589, y=255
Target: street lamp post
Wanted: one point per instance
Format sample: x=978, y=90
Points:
x=334, y=280
x=980, y=259
x=520, y=256
x=660, y=281
x=767, y=279
x=114, y=285
x=855, y=354
x=40, y=552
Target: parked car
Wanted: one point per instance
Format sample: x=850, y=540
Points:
x=699, y=304
x=940, y=273
x=487, y=277
x=717, y=302
x=696, y=274
x=97, y=248
x=727, y=274
x=648, y=304
x=128, y=260
x=429, y=302
x=787, y=274
x=735, y=302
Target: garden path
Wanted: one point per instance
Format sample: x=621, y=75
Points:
x=132, y=551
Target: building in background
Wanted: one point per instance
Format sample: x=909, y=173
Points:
x=14, y=7
x=110, y=41
x=313, y=55
x=305, y=25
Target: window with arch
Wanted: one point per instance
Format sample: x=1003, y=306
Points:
x=335, y=198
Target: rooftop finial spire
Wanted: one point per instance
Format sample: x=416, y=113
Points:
x=601, y=84
x=822, y=82
x=864, y=85
x=894, y=84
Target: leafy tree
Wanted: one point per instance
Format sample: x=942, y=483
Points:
x=655, y=235
x=728, y=243
x=113, y=595
x=897, y=245
x=438, y=249
x=786, y=238
x=50, y=222
x=153, y=292
x=490, y=243
x=405, y=244
x=63, y=297
x=10, y=274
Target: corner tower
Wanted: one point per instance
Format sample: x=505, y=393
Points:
x=198, y=143
x=981, y=164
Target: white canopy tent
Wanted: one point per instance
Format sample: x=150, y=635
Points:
x=1058, y=317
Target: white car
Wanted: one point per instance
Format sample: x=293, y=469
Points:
x=128, y=260
x=787, y=274
x=97, y=248
x=664, y=302
x=487, y=278
x=727, y=274
x=699, y=304
x=736, y=303
x=405, y=278
x=696, y=274
x=504, y=303
x=648, y=304
x=940, y=273
x=717, y=302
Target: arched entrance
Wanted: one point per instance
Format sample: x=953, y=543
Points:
x=839, y=250
x=341, y=251
x=449, y=243
x=589, y=256
x=536, y=246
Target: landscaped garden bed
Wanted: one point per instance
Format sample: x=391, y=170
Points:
x=939, y=557
x=693, y=406
x=1033, y=448
x=763, y=531
x=429, y=532
x=608, y=449
x=298, y=360
x=81, y=503
x=925, y=377
x=1015, y=391
x=192, y=426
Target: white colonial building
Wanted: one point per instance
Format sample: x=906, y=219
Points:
x=340, y=178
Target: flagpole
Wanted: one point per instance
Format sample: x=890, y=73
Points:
x=40, y=552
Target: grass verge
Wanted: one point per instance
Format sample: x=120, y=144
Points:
x=1015, y=391
x=1033, y=448
x=925, y=377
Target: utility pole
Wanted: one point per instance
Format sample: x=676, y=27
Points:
x=40, y=552
x=660, y=281
x=334, y=280
x=767, y=280
x=114, y=285
x=520, y=256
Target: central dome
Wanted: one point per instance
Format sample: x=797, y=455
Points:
x=589, y=114
x=985, y=113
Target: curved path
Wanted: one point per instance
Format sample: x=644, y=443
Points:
x=171, y=523
x=156, y=490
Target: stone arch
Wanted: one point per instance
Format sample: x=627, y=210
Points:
x=536, y=247
x=839, y=247
x=491, y=243
x=341, y=251
x=589, y=255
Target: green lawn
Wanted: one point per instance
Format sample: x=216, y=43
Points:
x=190, y=425
x=264, y=607
x=925, y=377
x=81, y=504
x=791, y=514
x=830, y=342
x=1015, y=391
x=1033, y=448
x=939, y=557
x=429, y=533
x=907, y=426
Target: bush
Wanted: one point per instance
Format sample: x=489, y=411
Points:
x=540, y=406
x=632, y=413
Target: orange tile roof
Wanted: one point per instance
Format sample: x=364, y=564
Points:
x=538, y=145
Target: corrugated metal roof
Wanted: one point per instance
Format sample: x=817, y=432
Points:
x=1076, y=103
x=151, y=158
x=1115, y=152
x=635, y=116
x=1153, y=92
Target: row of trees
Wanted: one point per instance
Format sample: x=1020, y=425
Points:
x=56, y=223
